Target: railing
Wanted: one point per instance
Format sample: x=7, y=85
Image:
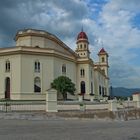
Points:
x=128, y=105
x=11, y=106
x=15, y=106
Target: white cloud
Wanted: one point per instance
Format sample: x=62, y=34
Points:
x=119, y=36
x=64, y=18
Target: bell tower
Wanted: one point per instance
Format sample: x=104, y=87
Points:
x=82, y=45
x=103, y=61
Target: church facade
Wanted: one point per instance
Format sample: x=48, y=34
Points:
x=28, y=69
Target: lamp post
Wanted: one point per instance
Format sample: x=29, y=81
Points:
x=111, y=92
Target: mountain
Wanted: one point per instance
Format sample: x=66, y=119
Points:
x=121, y=91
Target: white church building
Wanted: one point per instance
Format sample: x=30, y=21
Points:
x=28, y=69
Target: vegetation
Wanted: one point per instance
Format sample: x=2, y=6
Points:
x=63, y=85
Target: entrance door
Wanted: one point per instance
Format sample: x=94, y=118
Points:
x=7, y=88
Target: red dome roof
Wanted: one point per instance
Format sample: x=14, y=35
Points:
x=82, y=35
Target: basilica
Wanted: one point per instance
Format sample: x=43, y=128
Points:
x=38, y=57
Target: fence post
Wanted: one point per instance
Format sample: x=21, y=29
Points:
x=136, y=98
x=51, y=100
x=113, y=105
x=7, y=106
x=91, y=98
x=80, y=98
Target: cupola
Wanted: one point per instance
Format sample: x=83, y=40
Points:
x=82, y=45
x=82, y=35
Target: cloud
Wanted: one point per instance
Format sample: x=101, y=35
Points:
x=108, y=23
x=59, y=17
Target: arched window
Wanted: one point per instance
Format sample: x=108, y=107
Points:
x=103, y=59
x=103, y=91
x=37, y=66
x=64, y=69
x=81, y=46
x=82, y=73
x=7, y=66
x=37, y=84
x=100, y=90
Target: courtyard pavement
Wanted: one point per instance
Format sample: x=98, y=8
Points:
x=62, y=129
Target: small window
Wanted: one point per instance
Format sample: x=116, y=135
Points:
x=7, y=66
x=85, y=46
x=37, y=84
x=64, y=69
x=81, y=46
x=37, y=66
x=82, y=72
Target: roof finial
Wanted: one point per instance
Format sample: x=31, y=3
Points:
x=102, y=44
x=82, y=28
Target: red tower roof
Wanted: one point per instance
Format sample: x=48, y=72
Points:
x=102, y=51
x=82, y=35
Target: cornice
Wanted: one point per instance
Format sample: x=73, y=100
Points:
x=86, y=61
x=100, y=65
x=35, y=51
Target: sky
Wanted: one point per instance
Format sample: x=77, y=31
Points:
x=112, y=24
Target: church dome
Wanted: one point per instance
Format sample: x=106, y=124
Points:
x=82, y=35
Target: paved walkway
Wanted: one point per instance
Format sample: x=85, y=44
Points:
x=69, y=130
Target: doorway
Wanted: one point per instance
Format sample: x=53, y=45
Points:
x=7, y=88
x=83, y=87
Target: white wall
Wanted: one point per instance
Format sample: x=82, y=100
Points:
x=14, y=75
x=70, y=68
x=28, y=73
x=88, y=78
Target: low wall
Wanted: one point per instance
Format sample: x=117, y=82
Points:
x=86, y=107
x=62, y=106
x=123, y=115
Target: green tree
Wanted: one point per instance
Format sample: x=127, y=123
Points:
x=63, y=85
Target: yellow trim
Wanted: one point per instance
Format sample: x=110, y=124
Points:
x=36, y=51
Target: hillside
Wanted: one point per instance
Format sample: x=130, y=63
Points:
x=125, y=92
